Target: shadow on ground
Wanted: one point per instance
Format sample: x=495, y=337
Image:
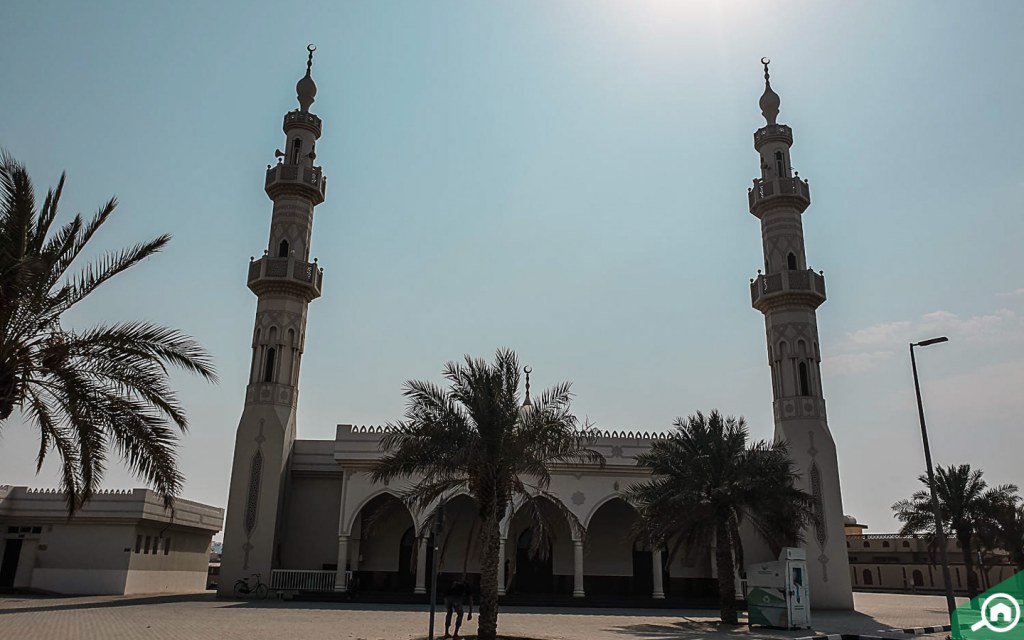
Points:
x=825, y=622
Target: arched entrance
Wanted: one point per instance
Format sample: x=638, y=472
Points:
x=614, y=562
x=539, y=566
x=534, y=568
x=379, y=539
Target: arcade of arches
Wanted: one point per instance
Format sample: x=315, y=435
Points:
x=387, y=553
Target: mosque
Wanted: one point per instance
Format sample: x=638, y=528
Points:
x=306, y=516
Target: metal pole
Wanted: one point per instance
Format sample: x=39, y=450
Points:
x=435, y=526
x=940, y=534
x=433, y=588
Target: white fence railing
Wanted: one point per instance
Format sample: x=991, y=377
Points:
x=301, y=580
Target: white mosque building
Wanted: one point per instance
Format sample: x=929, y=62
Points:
x=306, y=516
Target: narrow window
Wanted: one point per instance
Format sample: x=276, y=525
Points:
x=867, y=577
x=791, y=261
x=268, y=371
x=167, y=546
x=885, y=543
x=282, y=249
x=138, y=543
x=804, y=385
x=780, y=164
x=145, y=549
x=296, y=147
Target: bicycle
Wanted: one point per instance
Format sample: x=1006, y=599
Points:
x=242, y=587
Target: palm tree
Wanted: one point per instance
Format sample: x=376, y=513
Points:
x=475, y=436
x=706, y=480
x=1009, y=526
x=967, y=505
x=92, y=390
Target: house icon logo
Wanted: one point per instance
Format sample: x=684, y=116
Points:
x=999, y=612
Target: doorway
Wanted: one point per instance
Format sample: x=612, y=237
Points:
x=534, y=573
x=9, y=565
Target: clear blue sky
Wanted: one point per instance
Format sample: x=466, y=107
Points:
x=564, y=178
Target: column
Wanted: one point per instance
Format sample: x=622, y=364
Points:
x=501, y=567
x=577, y=583
x=421, y=566
x=341, y=577
x=659, y=588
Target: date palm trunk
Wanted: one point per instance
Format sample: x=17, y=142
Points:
x=487, y=627
x=726, y=577
x=968, y=556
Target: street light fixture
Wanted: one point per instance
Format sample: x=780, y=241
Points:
x=940, y=534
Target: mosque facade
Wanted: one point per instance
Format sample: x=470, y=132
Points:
x=306, y=515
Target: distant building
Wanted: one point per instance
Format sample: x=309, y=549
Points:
x=119, y=542
x=891, y=563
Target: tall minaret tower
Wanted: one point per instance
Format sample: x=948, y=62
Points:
x=284, y=281
x=787, y=293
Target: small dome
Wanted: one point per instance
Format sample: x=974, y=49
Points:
x=769, y=101
x=769, y=104
x=305, y=90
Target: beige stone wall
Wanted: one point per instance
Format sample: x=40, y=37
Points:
x=74, y=547
x=309, y=538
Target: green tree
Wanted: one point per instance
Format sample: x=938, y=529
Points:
x=85, y=391
x=967, y=505
x=706, y=479
x=476, y=436
x=1009, y=530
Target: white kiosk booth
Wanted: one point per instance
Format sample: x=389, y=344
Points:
x=778, y=593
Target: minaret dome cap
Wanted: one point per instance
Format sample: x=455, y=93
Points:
x=770, y=101
x=305, y=89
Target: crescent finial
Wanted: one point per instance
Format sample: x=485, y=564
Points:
x=309, y=63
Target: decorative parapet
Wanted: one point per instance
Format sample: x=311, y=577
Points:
x=773, y=133
x=303, y=120
x=600, y=433
x=360, y=444
x=115, y=506
x=267, y=273
x=298, y=179
x=632, y=435
x=804, y=286
x=782, y=191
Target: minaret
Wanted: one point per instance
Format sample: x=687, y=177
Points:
x=284, y=281
x=787, y=293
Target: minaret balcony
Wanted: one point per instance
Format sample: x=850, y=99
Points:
x=303, y=120
x=788, y=287
x=300, y=179
x=287, y=275
x=779, y=192
x=773, y=133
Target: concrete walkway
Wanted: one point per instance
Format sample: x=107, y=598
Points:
x=202, y=617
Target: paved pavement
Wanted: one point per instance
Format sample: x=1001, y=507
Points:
x=202, y=617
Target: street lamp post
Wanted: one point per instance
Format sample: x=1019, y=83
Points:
x=940, y=534
x=435, y=526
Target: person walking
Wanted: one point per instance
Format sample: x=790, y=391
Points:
x=455, y=598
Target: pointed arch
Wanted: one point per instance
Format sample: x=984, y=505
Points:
x=351, y=517
x=602, y=502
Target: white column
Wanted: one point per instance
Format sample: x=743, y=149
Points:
x=340, y=577
x=577, y=584
x=659, y=588
x=421, y=567
x=501, y=567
